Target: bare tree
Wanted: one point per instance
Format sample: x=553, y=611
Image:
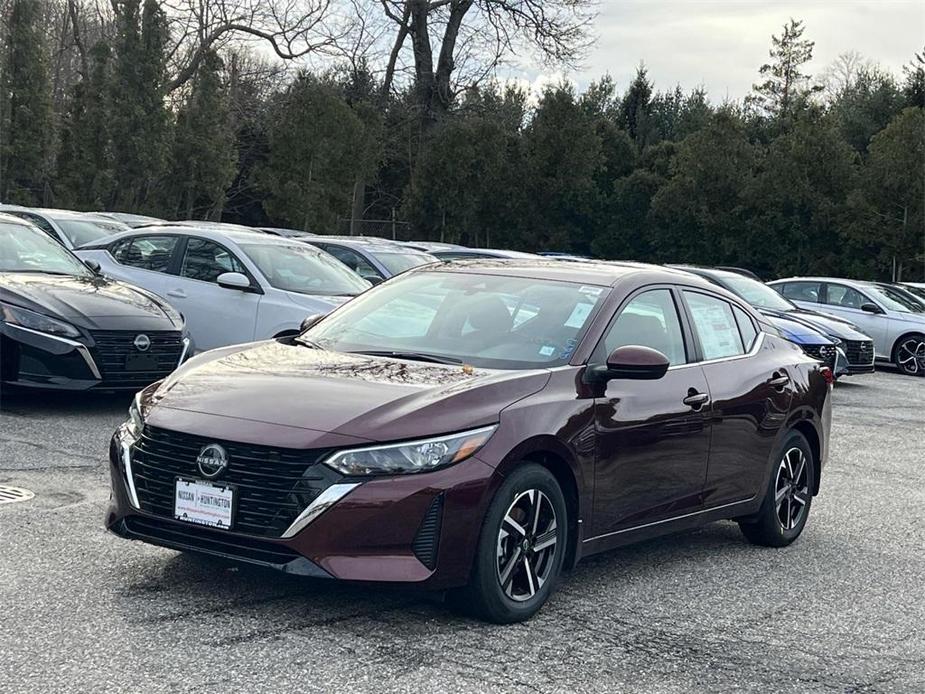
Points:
x=842, y=73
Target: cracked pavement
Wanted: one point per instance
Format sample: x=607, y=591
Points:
x=839, y=611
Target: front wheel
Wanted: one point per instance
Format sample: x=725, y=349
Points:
x=521, y=548
x=909, y=355
x=785, y=508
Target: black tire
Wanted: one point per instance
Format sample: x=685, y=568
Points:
x=484, y=596
x=909, y=355
x=786, y=505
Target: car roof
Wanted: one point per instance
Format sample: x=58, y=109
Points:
x=13, y=219
x=711, y=272
x=233, y=236
x=597, y=272
x=816, y=278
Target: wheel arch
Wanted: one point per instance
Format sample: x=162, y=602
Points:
x=906, y=335
x=549, y=453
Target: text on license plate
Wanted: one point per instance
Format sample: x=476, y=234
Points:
x=204, y=503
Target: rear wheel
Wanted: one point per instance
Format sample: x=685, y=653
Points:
x=785, y=508
x=909, y=355
x=521, y=548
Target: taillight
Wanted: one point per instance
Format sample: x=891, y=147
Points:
x=827, y=374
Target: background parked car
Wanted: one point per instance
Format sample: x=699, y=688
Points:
x=132, y=220
x=374, y=260
x=70, y=229
x=917, y=288
x=896, y=327
x=64, y=326
x=903, y=295
x=472, y=253
x=857, y=349
x=231, y=286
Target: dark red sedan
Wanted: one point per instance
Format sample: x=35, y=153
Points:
x=478, y=427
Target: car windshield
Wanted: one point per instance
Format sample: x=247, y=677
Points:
x=756, y=293
x=487, y=321
x=304, y=270
x=396, y=261
x=895, y=300
x=83, y=231
x=26, y=250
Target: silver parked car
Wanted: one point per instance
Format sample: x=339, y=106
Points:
x=70, y=229
x=896, y=324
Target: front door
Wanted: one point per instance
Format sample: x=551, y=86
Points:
x=216, y=316
x=653, y=436
x=846, y=302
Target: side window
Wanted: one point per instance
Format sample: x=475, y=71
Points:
x=206, y=260
x=354, y=261
x=802, y=291
x=715, y=325
x=145, y=252
x=40, y=222
x=651, y=320
x=840, y=295
x=746, y=328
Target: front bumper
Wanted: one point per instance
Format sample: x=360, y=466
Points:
x=419, y=528
x=34, y=359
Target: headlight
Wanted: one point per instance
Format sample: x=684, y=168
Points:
x=414, y=456
x=36, y=321
x=136, y=421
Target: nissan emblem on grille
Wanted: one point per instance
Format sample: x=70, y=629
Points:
x=142, y=343
x=212, y=460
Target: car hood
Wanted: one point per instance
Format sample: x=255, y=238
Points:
x=828, y=325
x=797, y=331
x=93, y=303
x=281, y=393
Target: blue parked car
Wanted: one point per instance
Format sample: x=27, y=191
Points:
x=846, y=349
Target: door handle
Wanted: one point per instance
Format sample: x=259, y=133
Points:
x=176, y=293
x=778, y=381
x=696, y=400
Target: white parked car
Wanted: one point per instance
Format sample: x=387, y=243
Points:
x=896, y=323
x=70, y=229
x=231, y=286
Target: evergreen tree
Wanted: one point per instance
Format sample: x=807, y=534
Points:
x=634, y=109
x=786, y=88
x=318, y=147
x=139, y=123
x=914, y=81
x=866, y=106
x=204, y=158
x=85, y=177
x=26, y=116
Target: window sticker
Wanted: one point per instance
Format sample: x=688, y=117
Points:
x=569, y=348
x=591, y=291
x=579, y=315
x=547, y=351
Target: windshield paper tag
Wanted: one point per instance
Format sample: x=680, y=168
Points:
x=547, y=351
x=579, y=315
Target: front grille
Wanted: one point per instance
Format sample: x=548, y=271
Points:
x=427, y=540
x=859, y=352
x=113, y=346
x=182, y=535
x=824, y=353
x=272, y=486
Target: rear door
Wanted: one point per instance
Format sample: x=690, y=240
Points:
x=750, y=391
x=216, y=316
x=144, y=260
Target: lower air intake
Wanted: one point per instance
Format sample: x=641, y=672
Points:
x=427, y=540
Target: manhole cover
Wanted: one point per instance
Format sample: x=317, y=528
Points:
x=10, y=495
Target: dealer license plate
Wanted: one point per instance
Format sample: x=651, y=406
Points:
x=204, y=503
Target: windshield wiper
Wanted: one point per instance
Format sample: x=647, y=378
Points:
x=308, y=343
x=415, y=356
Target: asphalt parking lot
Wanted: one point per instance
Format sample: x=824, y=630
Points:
x=839, y=611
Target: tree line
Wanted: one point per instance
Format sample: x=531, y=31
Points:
x=173, y=110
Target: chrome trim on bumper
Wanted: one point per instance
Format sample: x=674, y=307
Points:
x=186, y=344
x=81, y=348
x=126, y=449
x=325, y=500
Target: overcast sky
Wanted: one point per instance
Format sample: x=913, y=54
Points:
x=720, y=44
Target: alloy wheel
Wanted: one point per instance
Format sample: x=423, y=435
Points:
x=791, y=488
x=527, y=545
x=910, y=355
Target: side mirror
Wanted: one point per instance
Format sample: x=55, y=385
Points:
x=310, y=321
x=871, y=308
x=93, y=265
x=233, y=280
x=633, y=362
